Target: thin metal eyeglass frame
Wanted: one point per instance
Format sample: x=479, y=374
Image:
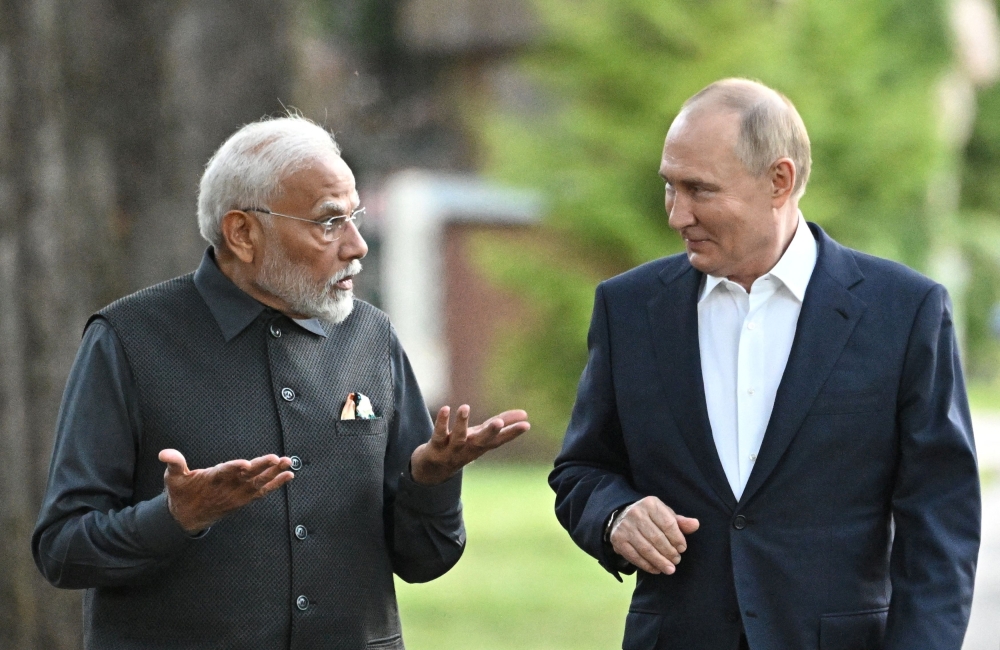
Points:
x=329, y=225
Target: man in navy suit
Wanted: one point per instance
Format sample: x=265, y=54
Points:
x=785, y=414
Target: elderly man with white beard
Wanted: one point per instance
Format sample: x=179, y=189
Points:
x=318, y=473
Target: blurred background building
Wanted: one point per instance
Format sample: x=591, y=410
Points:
x=507, y=153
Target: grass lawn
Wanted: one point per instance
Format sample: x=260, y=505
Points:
x=522, y=583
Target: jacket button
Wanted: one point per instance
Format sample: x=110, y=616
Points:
x=740, y=522
x=302, y=603
x=296, y=463
x=275, y=331
x=287, y=394
x=301, y=532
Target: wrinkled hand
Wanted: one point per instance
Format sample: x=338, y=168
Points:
x=650, y=535
x=449, y=450
x=199, y=498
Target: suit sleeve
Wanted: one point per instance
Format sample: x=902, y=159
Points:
x=935, y=501
x=591, y=477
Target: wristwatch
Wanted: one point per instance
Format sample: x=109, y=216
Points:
x=609, y=525
x=612, y=520
x=616, y=562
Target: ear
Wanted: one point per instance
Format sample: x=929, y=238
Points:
x=783, y=174
x=240, y=232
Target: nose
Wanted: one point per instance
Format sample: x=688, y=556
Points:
x=352, y=244
x=679, y=213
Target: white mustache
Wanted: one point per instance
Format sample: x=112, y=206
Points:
x=353, y=268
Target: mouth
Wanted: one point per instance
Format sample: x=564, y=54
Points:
x=344, y=279
x=691, y=238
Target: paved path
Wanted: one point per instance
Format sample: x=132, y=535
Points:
x=984, y=627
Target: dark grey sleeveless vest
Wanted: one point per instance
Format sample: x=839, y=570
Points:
x=307, y=565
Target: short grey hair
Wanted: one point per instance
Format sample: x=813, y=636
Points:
x=770, y=127
x=249, y=167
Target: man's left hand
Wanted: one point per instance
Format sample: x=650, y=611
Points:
x=451, y=449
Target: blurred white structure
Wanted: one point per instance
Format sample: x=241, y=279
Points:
x=418, y=206
x=976, y=37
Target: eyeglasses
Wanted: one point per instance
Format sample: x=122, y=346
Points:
x=333, y=227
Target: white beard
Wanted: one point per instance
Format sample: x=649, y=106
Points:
x=290, y=282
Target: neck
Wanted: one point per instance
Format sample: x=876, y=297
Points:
x=787, y=224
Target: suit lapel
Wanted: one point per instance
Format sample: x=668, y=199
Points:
x=673, y=316
x=829, y=314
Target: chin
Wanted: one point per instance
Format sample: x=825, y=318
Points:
x=337, y=308
x=699, y=262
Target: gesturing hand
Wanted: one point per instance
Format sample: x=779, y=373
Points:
x=198, y=498
x=650, y=535
x=449, y=450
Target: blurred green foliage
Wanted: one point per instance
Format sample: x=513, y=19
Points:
x=606, y=82
x=980, y=203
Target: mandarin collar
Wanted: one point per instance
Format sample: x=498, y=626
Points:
x=233, y=308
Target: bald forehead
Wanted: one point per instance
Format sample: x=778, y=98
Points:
x=330, y=158
x=327, y=160
x=733, y=94
x=326, y=175
x=705, y=124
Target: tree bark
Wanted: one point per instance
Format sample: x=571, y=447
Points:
x=109, y=110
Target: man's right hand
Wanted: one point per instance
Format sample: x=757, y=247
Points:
x=650, y=535
x=199, y=498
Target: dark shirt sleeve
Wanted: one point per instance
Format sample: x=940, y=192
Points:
x=424, y=528
x=90, y=533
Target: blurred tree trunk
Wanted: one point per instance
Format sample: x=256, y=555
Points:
x=109, y=110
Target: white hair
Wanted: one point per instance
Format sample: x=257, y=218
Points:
x=770, y=127
x=247, y=170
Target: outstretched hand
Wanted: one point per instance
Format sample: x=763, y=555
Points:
x=198, y=498
x=450, y=449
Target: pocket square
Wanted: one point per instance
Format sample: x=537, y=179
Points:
x=357, y=407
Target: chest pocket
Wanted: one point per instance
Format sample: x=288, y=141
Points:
x=370, y=427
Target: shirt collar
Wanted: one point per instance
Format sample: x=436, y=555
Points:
x=709, y=284
x=794, y=269
x=233, y=308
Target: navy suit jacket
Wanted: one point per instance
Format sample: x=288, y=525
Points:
x=859, y=525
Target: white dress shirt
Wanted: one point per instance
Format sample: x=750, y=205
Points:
x=745, y=339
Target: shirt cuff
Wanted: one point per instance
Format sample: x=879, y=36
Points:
x=159, y=531
x=430, y=499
